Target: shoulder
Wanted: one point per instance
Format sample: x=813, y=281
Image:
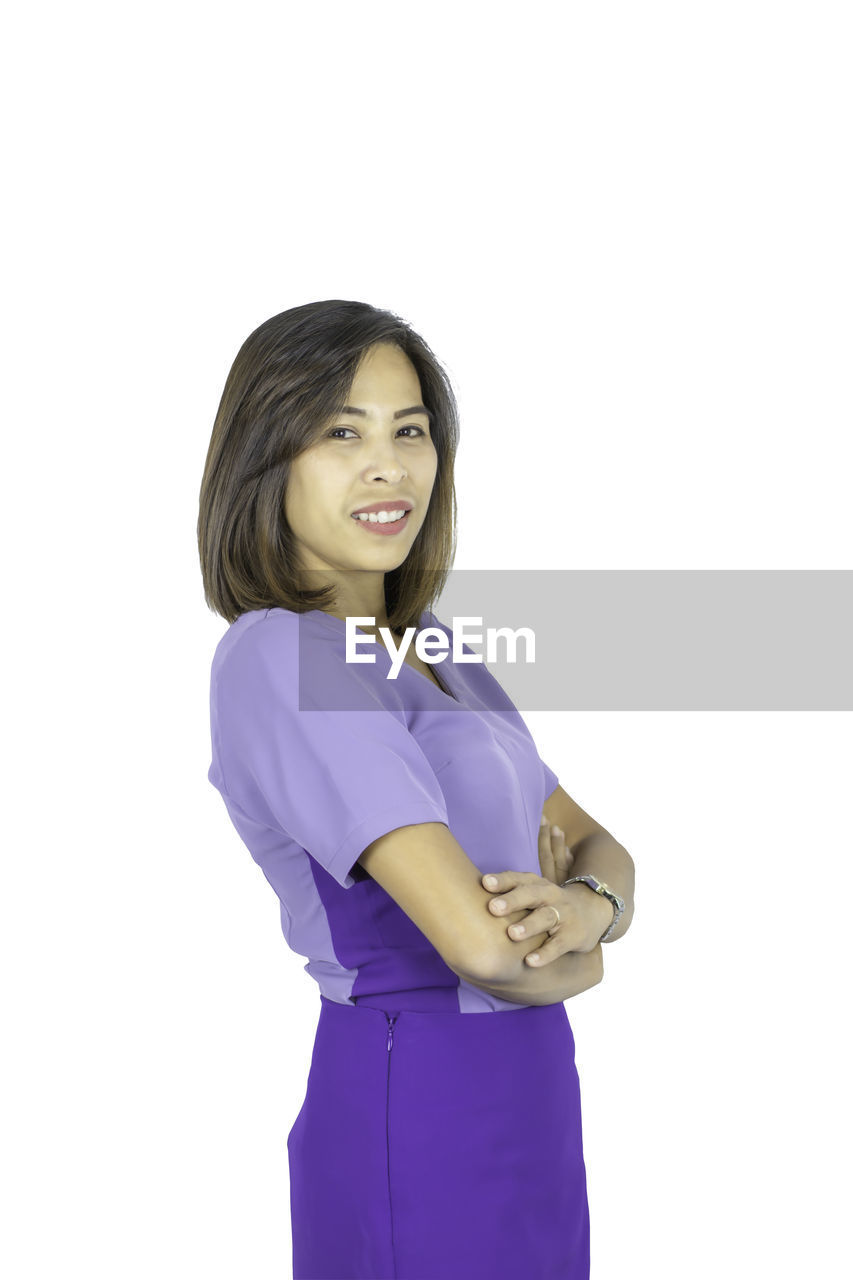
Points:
x=289, y=659
x=250, y=636
x=269, y=652
x=274, y=632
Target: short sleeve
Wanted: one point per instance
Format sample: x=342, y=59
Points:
x=551, y=779
x=331, y=780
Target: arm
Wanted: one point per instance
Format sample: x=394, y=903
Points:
x=428, y=874
x=426, y=871
x=605, y=858
x=594, y=850
x=567, y=976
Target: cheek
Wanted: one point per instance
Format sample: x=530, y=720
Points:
x=433, y=473
x=427, y=467
x=311, y=514
x=303, y=497
x=301, y=515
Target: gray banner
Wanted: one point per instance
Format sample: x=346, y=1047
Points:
x=659, y=640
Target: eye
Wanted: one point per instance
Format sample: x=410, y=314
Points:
x=333, y=436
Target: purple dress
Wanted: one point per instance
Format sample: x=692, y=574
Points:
x=430, y=1145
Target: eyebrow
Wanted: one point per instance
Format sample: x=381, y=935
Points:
x=401, y=413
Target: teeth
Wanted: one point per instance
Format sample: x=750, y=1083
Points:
x=380, y=517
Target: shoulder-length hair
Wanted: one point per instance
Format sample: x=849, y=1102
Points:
x=289, y=378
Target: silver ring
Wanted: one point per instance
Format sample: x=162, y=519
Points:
x=554, y=927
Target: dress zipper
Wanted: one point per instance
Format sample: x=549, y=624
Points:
x=391, y=1022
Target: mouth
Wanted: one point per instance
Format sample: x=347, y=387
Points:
x=386, y=527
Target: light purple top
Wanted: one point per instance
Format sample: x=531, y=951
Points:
x=315, y=758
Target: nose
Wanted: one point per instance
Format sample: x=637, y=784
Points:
x=388, y=466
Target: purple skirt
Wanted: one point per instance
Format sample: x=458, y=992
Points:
x=439, y=1146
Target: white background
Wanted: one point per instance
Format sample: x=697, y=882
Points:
x=625, y=230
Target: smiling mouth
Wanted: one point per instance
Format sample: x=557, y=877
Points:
x=381, y=526
x=373, y=516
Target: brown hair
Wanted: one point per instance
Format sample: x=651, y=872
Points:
x=291, y=375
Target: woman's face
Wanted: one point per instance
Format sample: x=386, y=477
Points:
x=361, y=459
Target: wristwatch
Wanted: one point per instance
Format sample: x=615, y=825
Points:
x=606, y=892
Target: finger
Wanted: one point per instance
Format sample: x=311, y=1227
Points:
x=542, y=920
x=524, y=896
x=503, y=881
x=546, y=853
x=563, y=856
x=543, y=955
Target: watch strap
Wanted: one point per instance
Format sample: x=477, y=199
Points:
x=599, y=887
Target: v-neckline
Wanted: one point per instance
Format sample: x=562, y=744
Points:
x=439, y=686
x=437, y=683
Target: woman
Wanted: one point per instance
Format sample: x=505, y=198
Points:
x=431, y=1142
